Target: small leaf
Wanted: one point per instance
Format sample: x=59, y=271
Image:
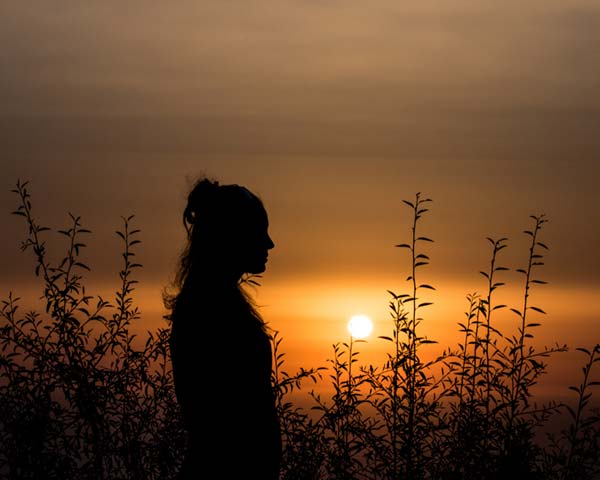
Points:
x=537, y=309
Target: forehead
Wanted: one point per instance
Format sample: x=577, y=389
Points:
x=260, y=214
x=254, y=212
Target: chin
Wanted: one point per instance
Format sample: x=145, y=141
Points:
x=256, y=269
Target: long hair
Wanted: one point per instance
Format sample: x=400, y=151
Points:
x=215, y=219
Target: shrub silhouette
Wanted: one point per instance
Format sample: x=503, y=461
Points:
x=83, y=398
x=79, y=399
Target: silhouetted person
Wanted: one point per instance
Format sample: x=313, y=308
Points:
x=220, y=349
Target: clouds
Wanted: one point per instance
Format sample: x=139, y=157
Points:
x=290, y=58
x=470, y=96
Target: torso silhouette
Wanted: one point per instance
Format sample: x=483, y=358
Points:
x=222, y=368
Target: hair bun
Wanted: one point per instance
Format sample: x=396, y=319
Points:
x=200, y=197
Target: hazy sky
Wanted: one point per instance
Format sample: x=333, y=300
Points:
x=332, y=111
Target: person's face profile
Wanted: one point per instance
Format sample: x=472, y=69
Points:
x=258, y=242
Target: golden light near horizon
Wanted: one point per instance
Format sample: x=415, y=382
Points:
x=360, y=326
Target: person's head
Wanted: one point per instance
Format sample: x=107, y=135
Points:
x=227, y=229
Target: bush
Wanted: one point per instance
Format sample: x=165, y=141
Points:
x=79, y=399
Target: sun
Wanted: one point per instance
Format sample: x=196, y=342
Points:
x=360, y=326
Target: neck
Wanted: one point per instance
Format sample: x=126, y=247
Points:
x=214, y=277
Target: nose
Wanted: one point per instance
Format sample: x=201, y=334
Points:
x=270, y=243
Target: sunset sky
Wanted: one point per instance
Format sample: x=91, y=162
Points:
x=333, y=112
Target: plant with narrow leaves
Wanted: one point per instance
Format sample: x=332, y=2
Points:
x=405, y=393
x=303, y=454
x=573, y=454
x=81, y=399
x=345, y=428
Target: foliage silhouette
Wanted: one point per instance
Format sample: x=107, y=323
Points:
x=80, y=400
x=83, y=398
